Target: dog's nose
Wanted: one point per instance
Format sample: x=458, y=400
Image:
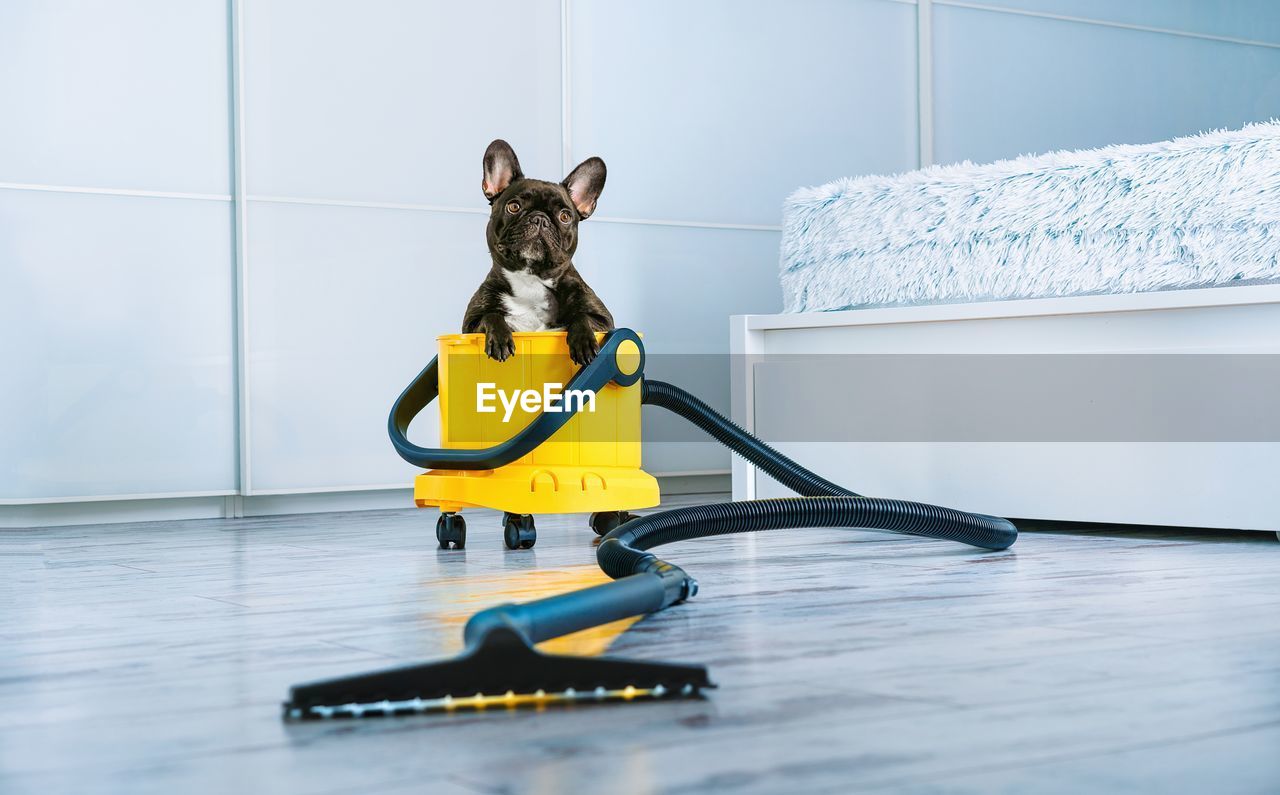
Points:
x=541, y=220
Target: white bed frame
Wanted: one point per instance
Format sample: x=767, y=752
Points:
x=1232, y=485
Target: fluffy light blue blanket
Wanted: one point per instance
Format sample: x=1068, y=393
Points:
x=1193, y=212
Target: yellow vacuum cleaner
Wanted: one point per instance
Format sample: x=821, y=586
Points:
x=578, y=460
x=590, y=464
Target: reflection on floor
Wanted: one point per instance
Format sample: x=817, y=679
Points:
x=152, y=658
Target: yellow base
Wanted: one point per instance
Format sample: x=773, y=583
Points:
x=535, y=489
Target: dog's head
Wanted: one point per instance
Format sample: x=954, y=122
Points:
x=534, y=224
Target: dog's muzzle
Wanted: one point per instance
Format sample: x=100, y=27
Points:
x=536, y=231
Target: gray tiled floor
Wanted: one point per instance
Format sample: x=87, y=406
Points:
x=152, y=658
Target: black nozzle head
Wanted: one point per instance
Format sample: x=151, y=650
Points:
x=501, y=672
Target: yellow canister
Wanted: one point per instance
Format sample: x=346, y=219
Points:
x=591, y=464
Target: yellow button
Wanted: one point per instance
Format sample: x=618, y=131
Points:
x=628, y=357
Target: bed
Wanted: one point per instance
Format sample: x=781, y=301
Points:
x=1160, y=250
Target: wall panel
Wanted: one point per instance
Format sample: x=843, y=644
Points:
x=126, y=94
x=116, y=321
x=715, y=111
x=1007, y=84
x=1254, y=20
x=344, y=307
x=395, y=101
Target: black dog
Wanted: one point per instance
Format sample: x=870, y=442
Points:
x=533, y=232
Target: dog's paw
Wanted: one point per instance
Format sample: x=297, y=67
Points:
x=499, y=345
x=582, y=346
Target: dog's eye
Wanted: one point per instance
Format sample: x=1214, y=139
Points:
x=513, y=207
x=565, y=216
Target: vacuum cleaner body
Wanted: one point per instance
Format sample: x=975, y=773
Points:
x=591, y=464
x=529, y=435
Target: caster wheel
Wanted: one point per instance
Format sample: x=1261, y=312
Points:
x=518, y=531
x=605, y=522
x=451, y=530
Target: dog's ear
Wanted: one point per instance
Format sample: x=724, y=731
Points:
x=501, y=168
x=584, y=184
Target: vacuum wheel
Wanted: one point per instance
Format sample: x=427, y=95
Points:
x=451, y=530
x=605, y=522
x=518, y=530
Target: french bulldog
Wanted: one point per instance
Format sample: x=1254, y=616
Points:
x=532, y=235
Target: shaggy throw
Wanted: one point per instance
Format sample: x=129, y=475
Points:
x=1193, y=212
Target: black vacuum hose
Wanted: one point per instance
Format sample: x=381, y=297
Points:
x=623, y=552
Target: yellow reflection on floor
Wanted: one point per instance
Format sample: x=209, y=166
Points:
x=475, y=593
x=589, y=642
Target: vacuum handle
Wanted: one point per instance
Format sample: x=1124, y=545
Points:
x=424, y=389
x=559, y=615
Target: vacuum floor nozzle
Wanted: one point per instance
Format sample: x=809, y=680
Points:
x=502, y=671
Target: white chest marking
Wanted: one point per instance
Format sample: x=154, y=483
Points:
x=531, y=305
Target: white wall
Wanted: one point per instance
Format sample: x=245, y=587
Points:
x=188, y=310
x=115, y=249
